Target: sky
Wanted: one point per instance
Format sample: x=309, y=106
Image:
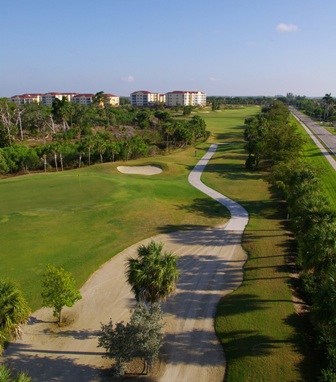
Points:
x=220, y=47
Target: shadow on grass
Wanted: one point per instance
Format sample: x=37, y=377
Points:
x=206, y=208
x=303, y=343
x=247, y=343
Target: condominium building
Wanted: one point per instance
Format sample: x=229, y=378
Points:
x=144, y=98
x=26, y=98
x=183, y=98
x=83, y=99
x=112, y=99
x=49, y=98
x=162, y=99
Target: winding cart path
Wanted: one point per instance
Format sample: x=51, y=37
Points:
x=211, y=263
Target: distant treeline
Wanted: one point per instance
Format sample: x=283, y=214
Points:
x=218, y=102
x=274, y=143
x=40, y=138
x=320, y=109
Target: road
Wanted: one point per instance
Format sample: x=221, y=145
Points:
x=318, y=134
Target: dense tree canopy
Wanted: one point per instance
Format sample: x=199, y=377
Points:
x=34, y=137
x=313, y=221
x=271, y=136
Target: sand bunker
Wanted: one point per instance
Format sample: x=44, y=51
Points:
x=141, y=170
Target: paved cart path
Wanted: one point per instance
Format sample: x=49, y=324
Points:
x=211, y=263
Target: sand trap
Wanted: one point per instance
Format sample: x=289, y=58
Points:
x=141, y=170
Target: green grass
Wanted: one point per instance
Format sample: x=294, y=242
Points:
x=313, y=155
x=79, y=222
x=257, y=325
x=80, y=219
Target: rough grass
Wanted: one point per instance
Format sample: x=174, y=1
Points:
x=257, y=324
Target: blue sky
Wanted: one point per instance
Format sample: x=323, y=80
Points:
x=221, y=47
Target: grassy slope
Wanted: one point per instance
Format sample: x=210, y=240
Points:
x=257, y=324
x=79, y=219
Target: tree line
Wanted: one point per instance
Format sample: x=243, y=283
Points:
x=67, y=135
x=321, y=109
x=274, y=143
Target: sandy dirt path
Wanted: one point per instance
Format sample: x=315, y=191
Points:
x=211, y=263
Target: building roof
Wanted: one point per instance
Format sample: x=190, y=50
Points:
x=59, y=93
x=27, y=96
x=87, y=95
x=143, y=91
x=185, y=91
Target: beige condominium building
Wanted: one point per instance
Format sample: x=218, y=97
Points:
x=87, y=98
x=26, y=98
x=184, y=98
x=144, y=98
x=49, y=98
x=83, y=99
x=112, y=99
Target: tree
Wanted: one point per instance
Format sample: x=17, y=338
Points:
x=35, y=119
x=14, y=310
x=101, y=140
x=59, y=290
x=62, y=110
x=187, y=110
x=8, y=117
x=140, y=338
x=328, y=102
x=168, y=128
x=147, y=333
x=153, y=275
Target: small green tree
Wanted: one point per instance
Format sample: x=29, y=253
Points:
x=147, y=333
x=14, y=310
x=59, y=290
x=140, y=338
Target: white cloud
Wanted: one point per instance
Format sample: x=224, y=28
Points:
x=128, y=79
x=214, y=79
x=287, y=27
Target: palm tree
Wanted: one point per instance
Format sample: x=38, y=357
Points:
x=152, y=275
x=328, y=101
x=14, y=310
x=6, y=375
